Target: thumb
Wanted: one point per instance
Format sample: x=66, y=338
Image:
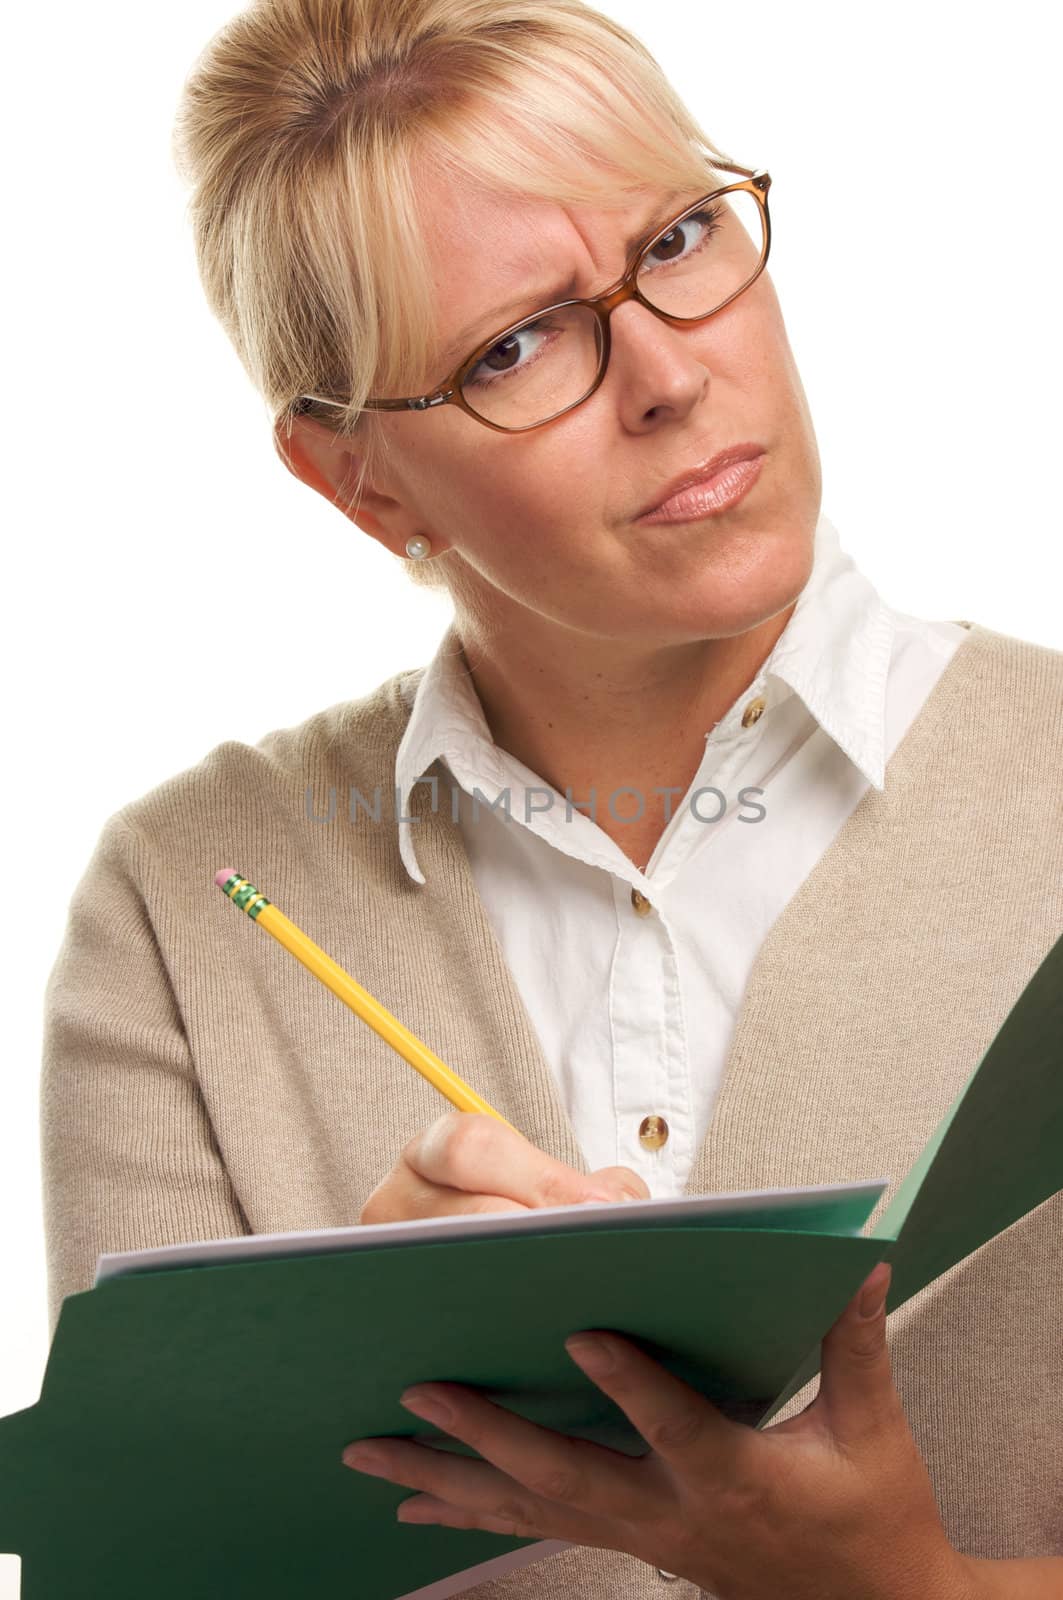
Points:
x=620, y=1183
x=856, y=1384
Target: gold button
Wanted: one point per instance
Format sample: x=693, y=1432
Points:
x=653, y=1132
x=641, y=904
x=753, y=711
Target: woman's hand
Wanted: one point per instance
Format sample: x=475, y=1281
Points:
x=834, y=1504
x=470, y=1162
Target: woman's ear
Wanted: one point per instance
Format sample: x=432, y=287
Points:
x=316, y=455
x=330, y=463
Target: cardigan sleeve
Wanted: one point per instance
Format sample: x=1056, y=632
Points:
x=128, y=1154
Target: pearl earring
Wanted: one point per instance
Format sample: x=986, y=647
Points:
x=417, y=547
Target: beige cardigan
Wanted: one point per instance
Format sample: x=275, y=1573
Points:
x=198, y=1083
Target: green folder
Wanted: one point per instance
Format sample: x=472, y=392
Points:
x=197, y=1399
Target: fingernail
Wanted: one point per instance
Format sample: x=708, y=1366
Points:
x=363, y=1458
x=592, y=1354
x=874, y=1293
x=428, y=1406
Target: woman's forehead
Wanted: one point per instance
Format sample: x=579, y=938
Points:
x=453, y=205
x=496, y=254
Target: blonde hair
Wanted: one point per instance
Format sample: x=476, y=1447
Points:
x=299, y=127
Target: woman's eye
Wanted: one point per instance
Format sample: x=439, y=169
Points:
x=707, y=221
x=509, y=354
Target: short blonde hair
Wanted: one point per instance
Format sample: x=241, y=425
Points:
x=298, y=130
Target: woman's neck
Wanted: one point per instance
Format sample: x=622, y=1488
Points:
x=601, y=720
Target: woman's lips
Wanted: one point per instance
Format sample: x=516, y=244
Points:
x=712, y=496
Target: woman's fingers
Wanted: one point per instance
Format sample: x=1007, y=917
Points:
x=682, y=1428
x=477, y=1154
x=405, y=1197
x=470, y=1163
x=527, y=1474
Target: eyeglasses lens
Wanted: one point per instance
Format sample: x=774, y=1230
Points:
x=550, y=363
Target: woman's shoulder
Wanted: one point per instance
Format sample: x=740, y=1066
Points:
x=1003, y=671
x=991, y=723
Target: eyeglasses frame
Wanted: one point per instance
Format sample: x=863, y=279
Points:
x=756, y=182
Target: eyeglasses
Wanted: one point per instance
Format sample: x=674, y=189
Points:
x=549, y=362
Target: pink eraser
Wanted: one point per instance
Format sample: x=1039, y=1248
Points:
x=221, y=878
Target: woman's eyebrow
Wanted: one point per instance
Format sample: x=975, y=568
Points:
x=468, y=339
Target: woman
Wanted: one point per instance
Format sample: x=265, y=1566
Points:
x=681, y=866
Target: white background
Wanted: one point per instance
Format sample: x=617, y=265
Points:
x=154, y=538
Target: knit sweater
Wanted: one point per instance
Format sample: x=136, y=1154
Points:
x=198, y=1083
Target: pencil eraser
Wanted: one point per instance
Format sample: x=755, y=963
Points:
x=221, y=878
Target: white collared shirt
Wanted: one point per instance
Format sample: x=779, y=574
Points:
x=634, y=1004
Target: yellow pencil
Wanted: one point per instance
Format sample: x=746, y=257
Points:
x=343, y=986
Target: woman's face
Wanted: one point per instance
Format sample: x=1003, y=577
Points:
x=542, y=524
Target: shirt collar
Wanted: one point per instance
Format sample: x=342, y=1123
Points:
x=834, y=653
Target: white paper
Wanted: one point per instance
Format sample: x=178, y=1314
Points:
x=730, y=1208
